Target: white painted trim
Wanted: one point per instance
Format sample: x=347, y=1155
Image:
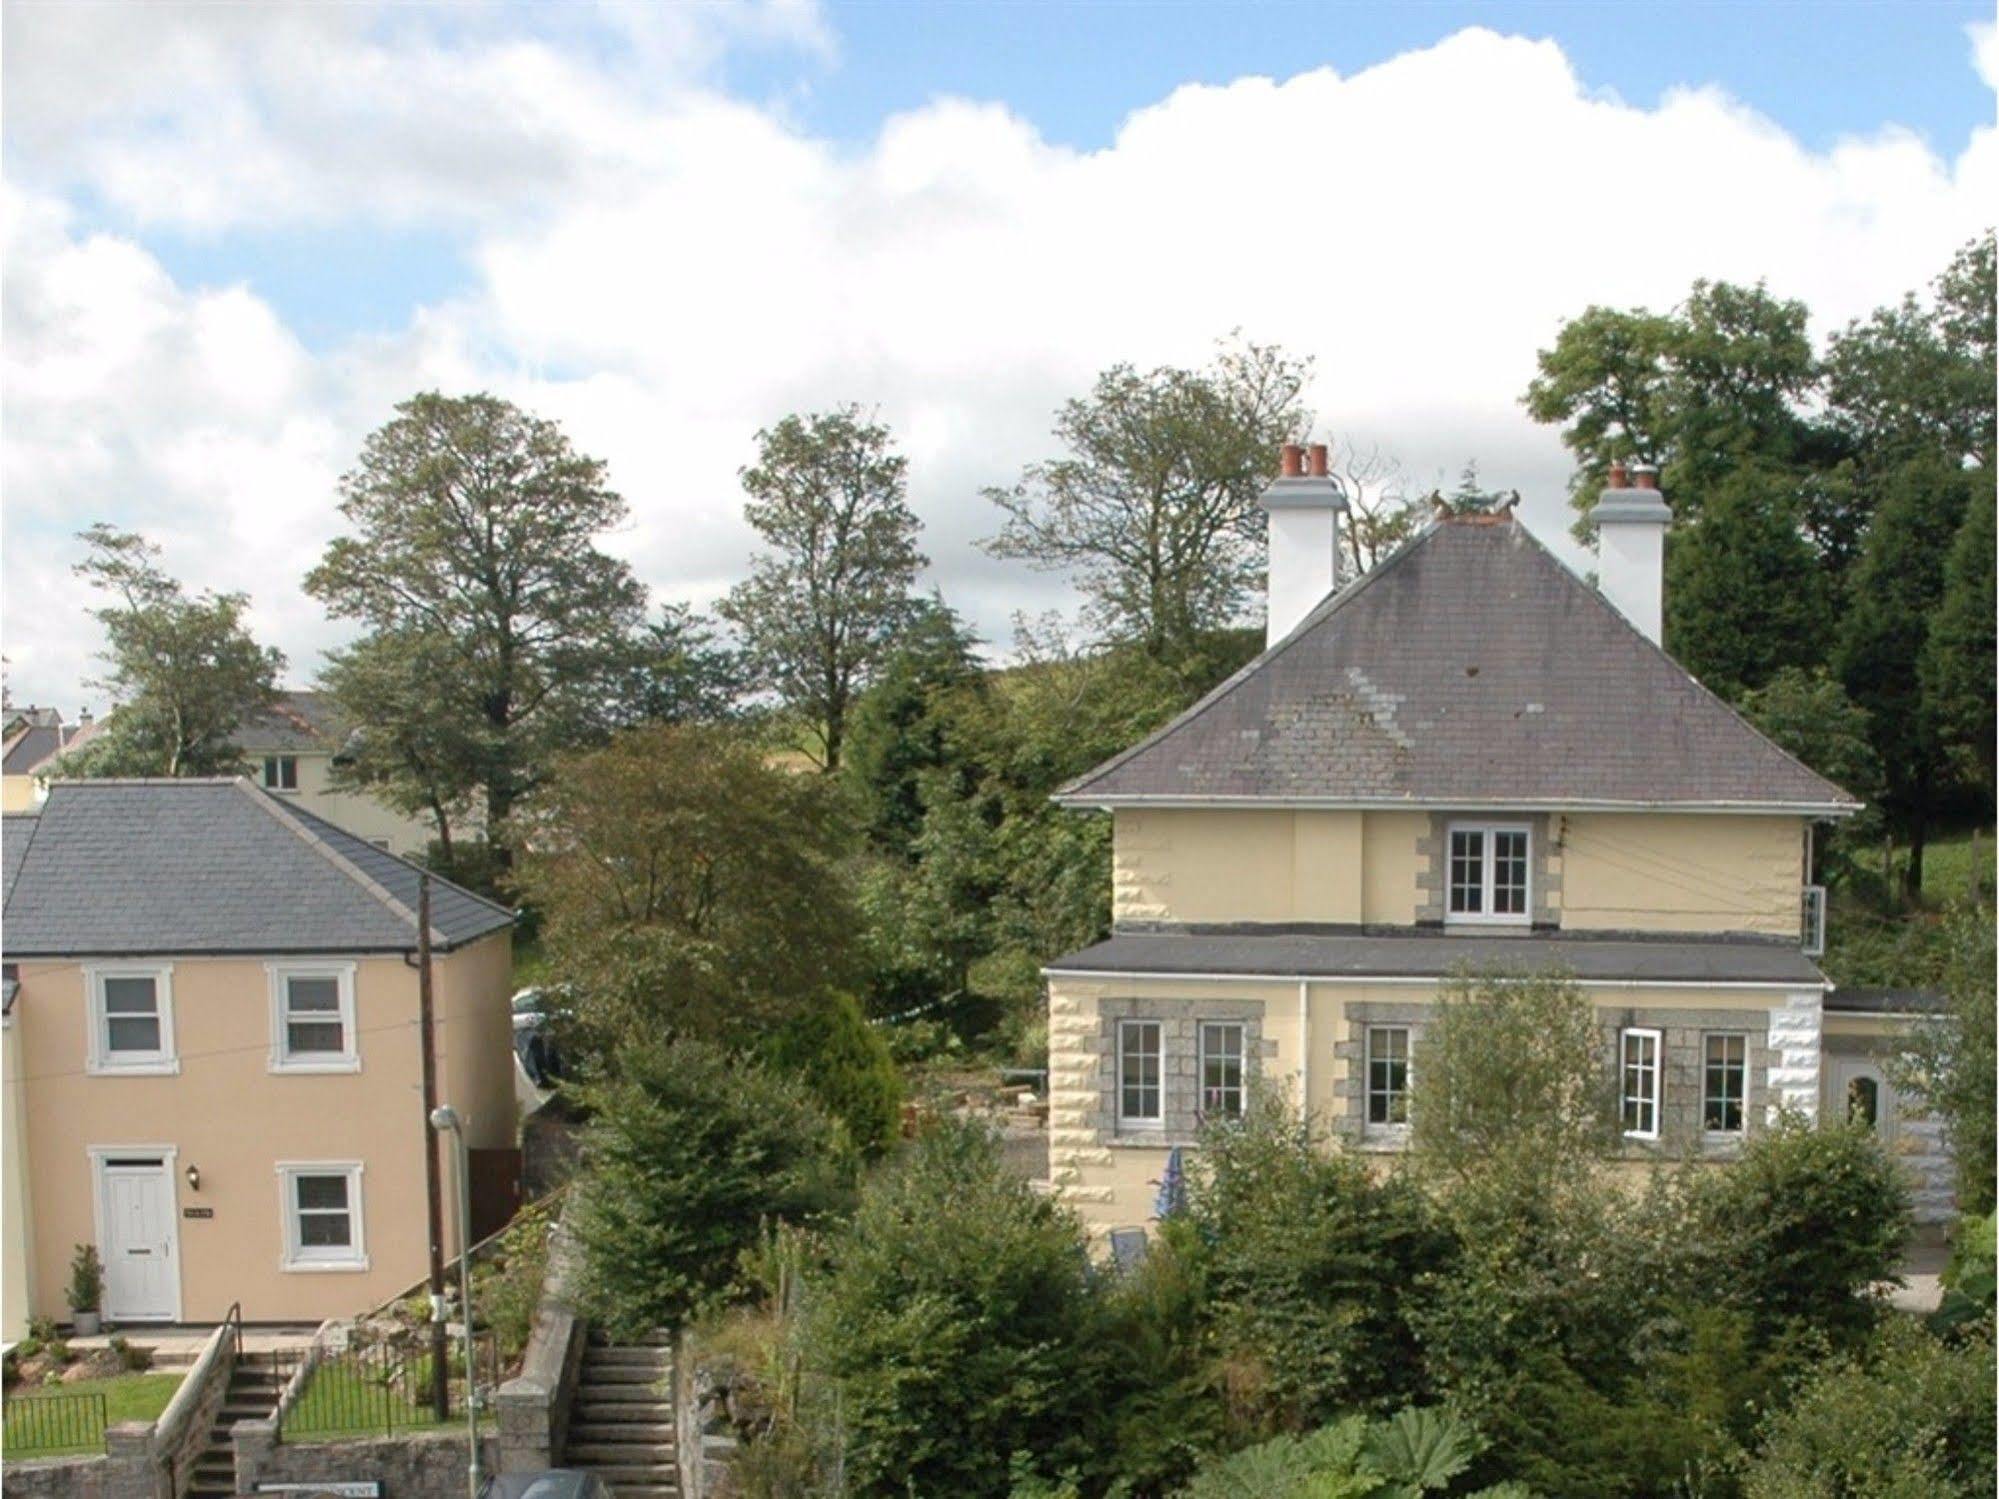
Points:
x=1304, y=1048
x=1406, y=980
x=1126, y=1121
x=291, y=1259
x=169, y=1163
x=277, y=972
x=1658, y=1100
x=1390, y=1131
x=1241, y=1028
x=1832, y=1015
x=97, y=1060
x=1457, y=804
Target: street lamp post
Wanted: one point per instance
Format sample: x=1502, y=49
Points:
x=444, y=1119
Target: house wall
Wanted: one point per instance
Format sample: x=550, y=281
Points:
x=17, y=794
x=1595, y=871
x=357, y=812
x=1112, y=1180
x=229, y=1115
x=17, y=1243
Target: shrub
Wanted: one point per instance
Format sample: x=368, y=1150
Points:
x=1949, y=1060
x=1804, y=1222
x=692, y=1149
x=1307, y=1260
x=845, y=1062
x=132, y=1360
x=954, y=1316
x=507, y=1289
x=1970, y=1280
x=86, y=1279
x=1909, y=1416
x=1417, y=1451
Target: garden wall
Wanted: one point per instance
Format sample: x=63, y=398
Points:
x=706, y=1442
x=419, y=1465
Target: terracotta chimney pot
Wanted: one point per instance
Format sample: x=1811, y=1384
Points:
x=1646, y=475
x=1291, y=462
x=1619, y=479
x=1315, y=457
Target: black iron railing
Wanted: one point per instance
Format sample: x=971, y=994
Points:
x=379, y=1387
x=47, y=1425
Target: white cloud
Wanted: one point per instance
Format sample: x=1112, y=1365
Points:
x=664, y=269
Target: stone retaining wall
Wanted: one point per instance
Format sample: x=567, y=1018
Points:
x=706, y=1444
x=418, y=1465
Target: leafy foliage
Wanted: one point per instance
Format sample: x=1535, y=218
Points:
x=1907, y=1416
x=184, y=672
x=1949, y=1061
x=686, y=887
x=821, y=609
x=846, y=1065
x=1416, y=1451
x=1153, y=507
x=488, y=608
x=691, y=1151
x=954, y=1317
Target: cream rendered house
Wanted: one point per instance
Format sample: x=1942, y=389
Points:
x=212, y=1064
x=1469, y=757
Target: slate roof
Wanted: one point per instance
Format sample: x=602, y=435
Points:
x=1860, y=999
x=30, y=746
x=16, y=828
x=188, y=867
x=298, y=721
x=1409, y=952
x=1470, y=669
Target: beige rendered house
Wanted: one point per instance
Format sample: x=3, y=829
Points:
x=1467, y=758
x=212, y=1060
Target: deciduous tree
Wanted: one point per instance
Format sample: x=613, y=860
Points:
x=473, y=565
x=1153, y=506
x=184, y=672
x=822, y=608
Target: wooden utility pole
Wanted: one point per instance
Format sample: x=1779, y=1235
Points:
x=440, y=1373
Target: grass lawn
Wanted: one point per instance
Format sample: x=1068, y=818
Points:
x=1951, y=864
x=127, y=1397
x=344, y=1398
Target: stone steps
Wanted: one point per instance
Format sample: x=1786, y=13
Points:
x=621, y=1420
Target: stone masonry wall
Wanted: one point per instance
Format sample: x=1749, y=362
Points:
x=420, y=1465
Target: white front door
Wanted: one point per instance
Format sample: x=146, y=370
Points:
x=141, y=1276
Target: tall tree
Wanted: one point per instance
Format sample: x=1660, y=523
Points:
x=1958, y=663
x=1719, y=381
x=184, y=672
x=1153, y=508
x=474, y=566
x=1897, y=586
x=1744, y=594
x=821, y=610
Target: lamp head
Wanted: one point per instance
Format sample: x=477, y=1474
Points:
x=443, y=1117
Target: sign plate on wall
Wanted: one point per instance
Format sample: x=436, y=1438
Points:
x=358, y=1489
x=197, y=1212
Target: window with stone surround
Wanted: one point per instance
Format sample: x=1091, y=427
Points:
x=1640, y=1074
x=1489, y=872
x=1223, y=1081
x=1387, y=1075
x=1141, y=1075
x=1724, y=1082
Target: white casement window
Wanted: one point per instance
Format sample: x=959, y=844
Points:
x=321, y=1202
x=1638, y=1052
x=312, y=1018
x=1222, y=1088
x=131, y=1018
x=1387, y=1076
x=1724, y=1081
x=281, y=772
x=1140, y=1069
x=1490, y=872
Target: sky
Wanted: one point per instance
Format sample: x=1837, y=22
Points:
x=232, y=237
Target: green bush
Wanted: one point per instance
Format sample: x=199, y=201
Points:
x=86, y=1279
x=1415, y=1452
x=692, y=1149
x=1910, y=1417
x=1970, y=1279
x=507, y=1288
x=953, y=1318
x=846, y=1064
x=1308, y=1260
x=1803, y=1223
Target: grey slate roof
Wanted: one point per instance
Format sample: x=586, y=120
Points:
x=298, y=721
x=1470, y=669
x=1409, y=952
x=164, y=868
x=30, y=747
x=1861, y=999
x=16, y=829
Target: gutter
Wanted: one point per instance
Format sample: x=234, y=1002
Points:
x=1426, y=981
x=1172, y=801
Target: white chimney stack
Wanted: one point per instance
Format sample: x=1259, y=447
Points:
x=1305, y=507
x=1631, y=548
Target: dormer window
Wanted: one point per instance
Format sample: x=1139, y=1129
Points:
x=281, y=772
x=1490, y=872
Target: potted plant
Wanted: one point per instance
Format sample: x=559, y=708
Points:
x=86, y=1290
